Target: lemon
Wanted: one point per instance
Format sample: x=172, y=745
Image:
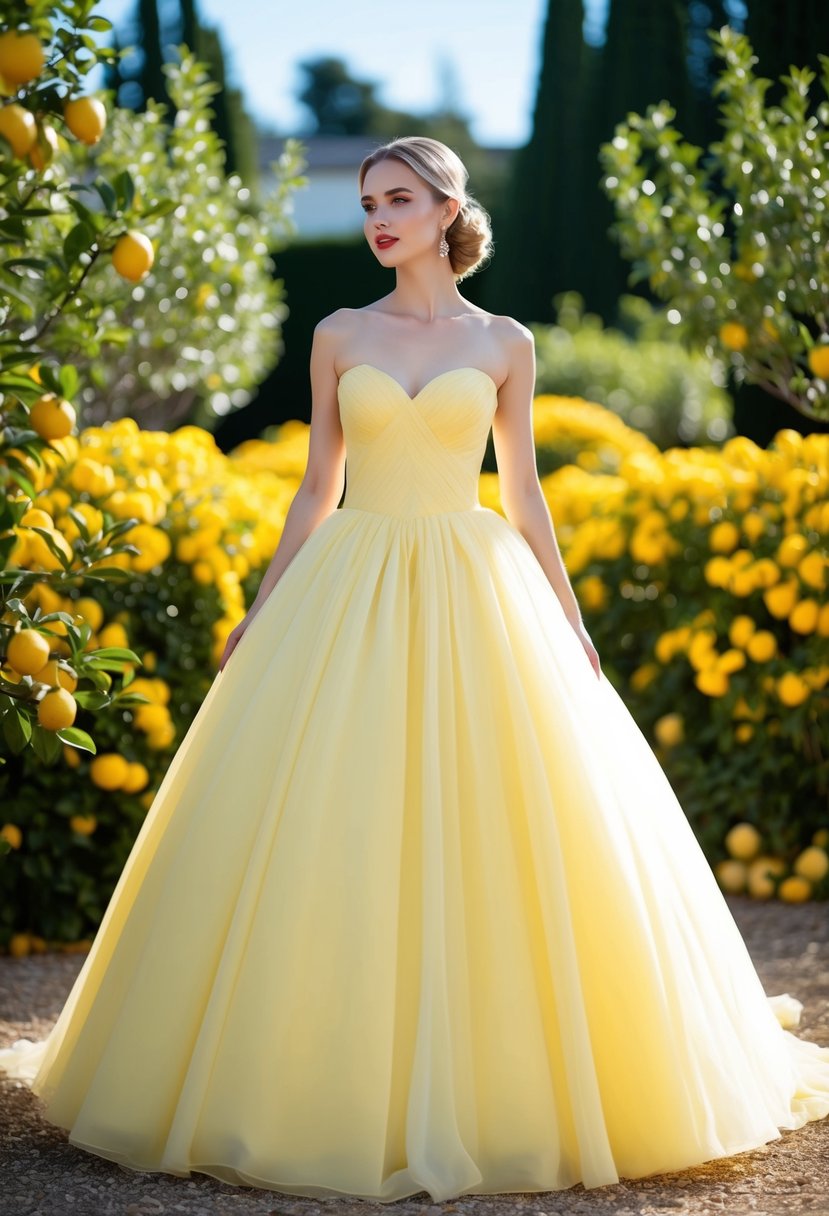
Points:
x=84, y=825
x=57, y=710
x=819, y=361
x=731, y=875
x=812, y=863
x=21, y=56
x=27, y=652
x=86, y=118
x=743, y=841
x=133, y=255
x=18, y=126
x=113, y=634
x=733, y=335
x=794, y=889
x=43, y=150
x=42, y=557
x=90, y=610
x=56, y=676
x=19, y=945
x=761, y=875
x=138, y=777
x=109, y=771
x=52, y=417
x=12, y=833
x=70, y=755
x=36, y=518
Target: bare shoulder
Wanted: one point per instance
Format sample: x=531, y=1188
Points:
x=335, y=323
x=512, y=332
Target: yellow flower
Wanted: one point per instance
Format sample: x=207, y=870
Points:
x=742, y=709
x=754, y=525
x=761, y=646
x=643, y=676
x=669, y=730
x=812, y=569
x=743, y=732
x=780, y=600
x=733, y=335
x=712, y=682
x=724, y=537
x=804, y=616
x=731, y=661
x=717, y=571
x=823, y=622
x=740, y=630
x=792, y=548
x=792, y=689
x=593, y=593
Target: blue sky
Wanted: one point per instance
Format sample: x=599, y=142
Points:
x=488, y=49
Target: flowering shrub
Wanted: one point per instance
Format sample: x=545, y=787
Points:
x=735, y=238
x=702, y=577
x=201, y=529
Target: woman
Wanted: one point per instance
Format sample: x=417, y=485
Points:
x=415, y=907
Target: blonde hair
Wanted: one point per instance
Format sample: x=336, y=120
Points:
x=469, y=236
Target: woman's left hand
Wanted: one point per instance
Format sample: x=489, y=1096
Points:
x=590, y=649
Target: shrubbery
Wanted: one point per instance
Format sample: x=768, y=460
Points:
x=642, y=372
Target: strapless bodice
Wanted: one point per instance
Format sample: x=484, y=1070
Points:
x=418, y=455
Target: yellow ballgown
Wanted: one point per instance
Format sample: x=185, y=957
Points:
x=415, y=907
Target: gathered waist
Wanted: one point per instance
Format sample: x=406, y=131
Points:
x=476, y=509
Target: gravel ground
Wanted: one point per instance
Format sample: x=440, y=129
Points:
x=41, y=1174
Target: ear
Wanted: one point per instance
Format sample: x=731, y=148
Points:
x=450, y=211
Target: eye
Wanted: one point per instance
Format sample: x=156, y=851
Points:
x=399, y=198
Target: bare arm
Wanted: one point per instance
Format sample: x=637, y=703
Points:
x=521, y=494
x=322, y=484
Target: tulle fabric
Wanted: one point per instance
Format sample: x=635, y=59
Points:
x=415, y=907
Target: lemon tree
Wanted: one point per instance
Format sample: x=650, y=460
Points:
x=737, y=243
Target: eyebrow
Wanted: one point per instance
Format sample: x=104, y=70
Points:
x=395, y=190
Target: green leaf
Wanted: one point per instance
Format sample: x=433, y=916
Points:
x=17, y=729
x=45, y=744
x=77, y=738
x=107, y=195
x=124, y=189
x=78, y=240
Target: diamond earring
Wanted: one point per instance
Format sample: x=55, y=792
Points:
x=443, y=247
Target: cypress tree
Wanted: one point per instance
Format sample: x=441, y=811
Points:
x=643, y=60
x=151, y=78
x=535, y=223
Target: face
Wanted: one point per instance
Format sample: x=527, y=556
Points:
x=399, y=204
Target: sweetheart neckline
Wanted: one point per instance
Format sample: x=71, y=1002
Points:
x=439, y=376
